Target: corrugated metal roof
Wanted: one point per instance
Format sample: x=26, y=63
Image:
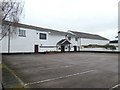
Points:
x=89, y=36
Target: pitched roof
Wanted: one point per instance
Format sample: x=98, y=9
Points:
x=89, y=36
x=55, y=32
x=63, y=42
x=50, y=31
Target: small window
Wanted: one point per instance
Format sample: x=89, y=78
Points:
x=76, y=39
x=69, y=38
x=42, y=36
x=22, y=33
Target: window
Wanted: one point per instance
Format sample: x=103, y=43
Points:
x=76, y=39
x=69, y=38
x=42, y=36
x=22, y=33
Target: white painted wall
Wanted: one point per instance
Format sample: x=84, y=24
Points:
x=85, y=41
x=94, y=49
x=115, y=44
x=23, y=44
x=52, y=40
x=20, y=44
x=73, y=42
x=26, y=44
x=4, y=44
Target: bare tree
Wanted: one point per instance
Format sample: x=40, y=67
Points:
x=11, y=12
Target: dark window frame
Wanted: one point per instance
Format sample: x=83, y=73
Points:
x=76, y=39
x=43, y=36
x=69, y=38
x=22, y=33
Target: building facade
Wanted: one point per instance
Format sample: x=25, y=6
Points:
x=27, y=38
x=89, y=39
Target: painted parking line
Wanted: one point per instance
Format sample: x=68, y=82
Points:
x=43, y=68
x=56, y=67
x=13, y=73
x=116, y=86
x=52, y=79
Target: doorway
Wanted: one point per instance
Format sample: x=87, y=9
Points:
x=75, y=48
x=36, y=47
x=62, y=48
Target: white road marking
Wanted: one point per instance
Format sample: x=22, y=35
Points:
x=13, y=73
x=56, y=67
x=43, y=68
x=52, y=79
x=62, y=67
x=116, y=86
x=67, y=66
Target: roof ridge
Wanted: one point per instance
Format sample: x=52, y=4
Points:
x=29, y=26
x=88, y=35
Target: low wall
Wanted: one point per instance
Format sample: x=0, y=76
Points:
x=55, y=52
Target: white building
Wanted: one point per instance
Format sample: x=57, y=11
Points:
x=27, y=38
x=114, y=42
x=89, y=39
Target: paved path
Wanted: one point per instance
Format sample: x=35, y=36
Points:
x=65, y=70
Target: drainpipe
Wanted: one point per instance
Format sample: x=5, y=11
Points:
x=80, y=43
x=9, y=40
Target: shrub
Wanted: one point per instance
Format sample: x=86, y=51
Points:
x=112, y=47
x=107, y=46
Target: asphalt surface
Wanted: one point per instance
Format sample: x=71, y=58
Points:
x=65, y=70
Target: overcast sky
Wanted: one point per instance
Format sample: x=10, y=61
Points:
x=90, y=16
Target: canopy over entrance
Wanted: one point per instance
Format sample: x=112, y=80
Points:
x=63, y=45
x=63, y=42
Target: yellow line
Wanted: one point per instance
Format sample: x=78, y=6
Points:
x=13, y=73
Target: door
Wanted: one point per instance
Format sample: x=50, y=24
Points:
x=75, y=48
x=36, y=47
x=62, y=48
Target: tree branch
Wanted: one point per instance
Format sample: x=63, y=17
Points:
x=8, y=11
